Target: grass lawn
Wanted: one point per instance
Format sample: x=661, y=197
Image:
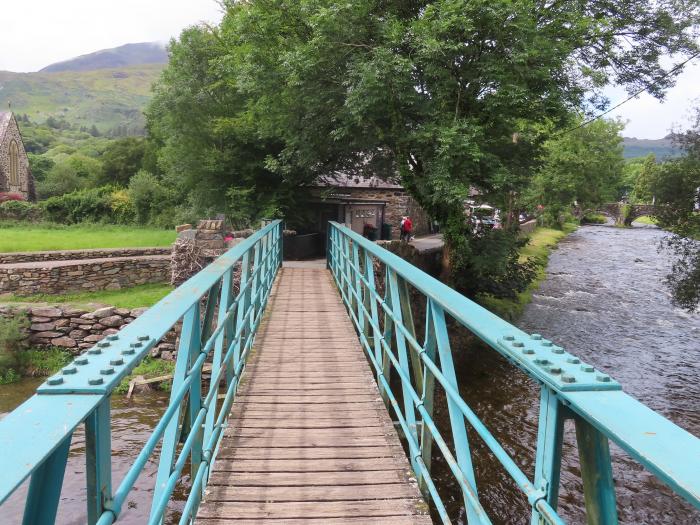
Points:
x=144, y=295
x=31, y=238
x=542, y=241
x=645, y=219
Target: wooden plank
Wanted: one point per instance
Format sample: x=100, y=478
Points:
x=304, y=465
x=331, y=493
x=309, y=440
x=303, y=479
x=312, y=509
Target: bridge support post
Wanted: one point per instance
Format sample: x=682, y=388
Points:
x=98, y=447
x=45, y=487
x=596, y=473
x=457, y=423
x=549, y=442
x=427, y=395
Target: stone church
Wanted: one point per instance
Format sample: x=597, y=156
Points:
x=15, y=176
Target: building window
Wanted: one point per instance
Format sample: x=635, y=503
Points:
x=14, y=164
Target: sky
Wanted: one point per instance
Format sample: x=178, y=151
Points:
x=36, y=33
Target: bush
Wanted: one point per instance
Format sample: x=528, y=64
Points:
x=20, y=211
x=91, y=205
x=13, y=335
x=152, y=200
x=122, y=207
x=593, y=218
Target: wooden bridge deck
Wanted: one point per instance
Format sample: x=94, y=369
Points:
x=309, y=439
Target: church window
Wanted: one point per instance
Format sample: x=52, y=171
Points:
x=14, y=164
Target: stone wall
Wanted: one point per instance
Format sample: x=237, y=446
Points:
x=77, y=329
x=71, y=255
x=57, y=277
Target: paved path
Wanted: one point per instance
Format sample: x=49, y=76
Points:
x=309, y=439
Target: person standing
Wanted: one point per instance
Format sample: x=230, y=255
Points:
x=406, y=228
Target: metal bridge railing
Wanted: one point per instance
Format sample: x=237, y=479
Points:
x=219, y=324
x=380, y=304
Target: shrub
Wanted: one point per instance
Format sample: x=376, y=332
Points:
x=20, y=211
x=13, y=335
x=90, y=205
x=152, y=200
x=123, y=211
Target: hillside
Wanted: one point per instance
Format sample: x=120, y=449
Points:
x=118, y=57
x=108, y=98
x=662, y=148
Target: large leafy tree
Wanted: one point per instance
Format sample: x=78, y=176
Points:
x=583, y=167
x=448, y=93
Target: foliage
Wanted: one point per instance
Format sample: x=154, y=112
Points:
x=43, y=362
x=12, y=341
x=123, y=211
x=60, y=180
x=593, y=218
x=152, y=200
x=537, y=250
x=39, y=237
x=40, y=166
x=583, y=167
x=87, y=205
x=149, y=368
x=121, y=160
x=20, y=211
x=643, y=191
x=449, y=94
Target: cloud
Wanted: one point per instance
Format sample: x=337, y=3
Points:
x=36, y=33
x=649, y=118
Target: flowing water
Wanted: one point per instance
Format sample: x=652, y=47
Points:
x=132, y=423
x=605, y=301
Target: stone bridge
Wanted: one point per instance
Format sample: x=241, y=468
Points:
x=624, y=213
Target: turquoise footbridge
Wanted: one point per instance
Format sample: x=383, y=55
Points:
x=402, y=320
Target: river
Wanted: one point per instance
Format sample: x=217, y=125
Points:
x=603, y=299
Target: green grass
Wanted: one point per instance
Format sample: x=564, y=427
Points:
x=542, y=241
x=135, y=297
x=44, y=362
x=21, y=238
x=645, y=219
x=149, y=368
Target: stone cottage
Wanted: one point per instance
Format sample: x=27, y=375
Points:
x=356, y=201
x=15, y=176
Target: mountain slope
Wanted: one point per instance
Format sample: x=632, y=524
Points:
x=107, y=98
x=118, y=57
x=662, y=148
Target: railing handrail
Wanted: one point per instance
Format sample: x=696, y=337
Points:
x=33, y=436
x=669, y=452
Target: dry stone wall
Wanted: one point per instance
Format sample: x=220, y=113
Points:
x=77, y=329
x=72, y=255
x=57, y=277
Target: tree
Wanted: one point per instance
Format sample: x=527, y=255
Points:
x=643, y=191
x=584, y=167
x=449, y=94
x=121, y=160
x=40, y=165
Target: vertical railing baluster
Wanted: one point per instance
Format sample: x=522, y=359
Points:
x=190, y=341
x=98, y=454
x=359, y=289
x=393, y=287
x=549, y=443
x=387, y=335
x=225, y=300
x=373, y=310
x=457, y=424
x=45, y=487
x=407, y=315
x=242, y=308
x=596, y=473
x=428, y=394
x=255, y=274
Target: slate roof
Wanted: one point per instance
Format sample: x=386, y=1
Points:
x=343, y=180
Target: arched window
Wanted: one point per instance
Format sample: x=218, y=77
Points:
x=14, y=164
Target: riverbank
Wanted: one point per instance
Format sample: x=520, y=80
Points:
x=542, y=242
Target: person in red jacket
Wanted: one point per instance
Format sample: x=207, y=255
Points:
x=406, y=228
